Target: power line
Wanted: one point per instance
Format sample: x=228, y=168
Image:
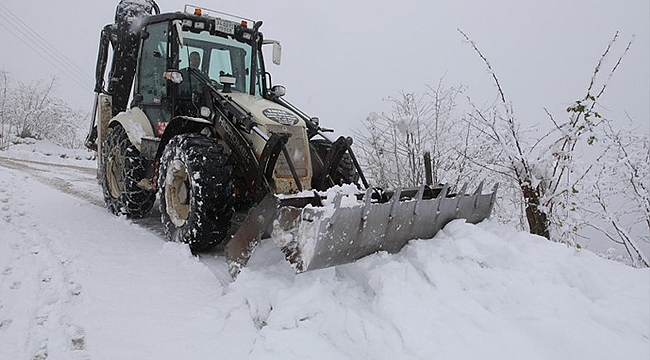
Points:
x=36, y=36
x=38, y=47
x=74, y=79
x=44, y=49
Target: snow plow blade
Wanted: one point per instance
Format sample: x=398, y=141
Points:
x=319, y=237
x=341, y=227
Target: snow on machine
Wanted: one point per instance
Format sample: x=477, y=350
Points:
x=187, y=111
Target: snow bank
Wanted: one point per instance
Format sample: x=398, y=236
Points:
x=473, y=292
x=46, y=151
x=78, y=283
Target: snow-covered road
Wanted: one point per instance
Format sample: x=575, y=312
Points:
x=78, y=283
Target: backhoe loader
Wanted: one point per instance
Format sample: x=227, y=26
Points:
x=185, y=110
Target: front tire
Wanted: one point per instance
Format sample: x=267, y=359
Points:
x=346, y=172
x=122, y=171
x=195, y=191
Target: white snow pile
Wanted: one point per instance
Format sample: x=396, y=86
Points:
x=78, y=283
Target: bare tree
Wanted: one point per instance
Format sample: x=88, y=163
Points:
x=393, y=144
x=33, y=111
x=4, y=121
x=374, y=150
x=620, y=192
x=443, y=102
x=547, y=176
x=30, y=107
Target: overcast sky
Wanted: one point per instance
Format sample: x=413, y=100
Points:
x=342, y=57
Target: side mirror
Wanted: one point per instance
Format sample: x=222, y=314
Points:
x=277, y=50
x=278, y=91
x=227, y=81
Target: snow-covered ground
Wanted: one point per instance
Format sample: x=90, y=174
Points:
x=78, y=283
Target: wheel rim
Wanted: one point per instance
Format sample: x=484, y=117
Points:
x=115, y=173
x=177, y=193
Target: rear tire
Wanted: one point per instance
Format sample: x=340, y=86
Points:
x=346, y=173
x=195, y=191
x=122, y=170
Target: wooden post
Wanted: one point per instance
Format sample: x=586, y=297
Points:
x=427, y=168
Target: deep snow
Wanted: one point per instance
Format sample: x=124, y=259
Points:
x=79, y=283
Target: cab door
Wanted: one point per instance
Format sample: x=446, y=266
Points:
x=152, y=93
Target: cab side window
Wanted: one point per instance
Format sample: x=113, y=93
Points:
x=153, y=63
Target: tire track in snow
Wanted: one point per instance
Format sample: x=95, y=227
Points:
x=65, y=177
x=44, y=279
x=79, y=182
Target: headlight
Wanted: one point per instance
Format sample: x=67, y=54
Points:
x=205, y=112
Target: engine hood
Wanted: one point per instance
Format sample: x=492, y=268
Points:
x=267, y=112
x=274, y=118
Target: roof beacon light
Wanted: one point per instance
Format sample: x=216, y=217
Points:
x=213, y=14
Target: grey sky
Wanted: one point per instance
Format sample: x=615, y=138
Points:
x=340, y=58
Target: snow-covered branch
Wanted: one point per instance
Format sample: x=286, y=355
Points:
x=33, y=111
x=549, y=171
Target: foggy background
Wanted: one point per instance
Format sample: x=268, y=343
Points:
x=341, y=58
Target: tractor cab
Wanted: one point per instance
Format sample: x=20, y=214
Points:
x=183, y=54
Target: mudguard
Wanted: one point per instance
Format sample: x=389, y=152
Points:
x=136, y=124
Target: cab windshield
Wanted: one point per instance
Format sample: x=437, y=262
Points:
x=215, y=55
